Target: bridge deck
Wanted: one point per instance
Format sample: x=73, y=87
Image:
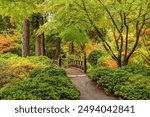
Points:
x=88, y=88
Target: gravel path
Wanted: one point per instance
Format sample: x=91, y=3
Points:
x=88, y=88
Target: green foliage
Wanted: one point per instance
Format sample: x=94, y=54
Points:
x=89, y=67
x=14, y=67
x=94, y=56
x=18, y=9
x=14, y=59
x=47, y=72
x=74, y=34
x=23, y=66
x=39, y=60
x=41, y=88
x=17, y=49
x=3, y=73
x=137, y=87
x=7, y=55
x=97, y=73
x=114, y=78
x=46, y=82
x=129, y=82
x=6, y=74
x=101, y=61
x=138, y=69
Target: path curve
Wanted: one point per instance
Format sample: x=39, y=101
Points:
x=88, y=88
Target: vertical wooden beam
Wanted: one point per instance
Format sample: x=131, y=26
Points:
x=85, y=65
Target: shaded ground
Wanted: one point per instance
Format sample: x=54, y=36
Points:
x=88, y=88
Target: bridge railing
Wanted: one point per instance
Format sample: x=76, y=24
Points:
x=78, y=63
x=74, y=61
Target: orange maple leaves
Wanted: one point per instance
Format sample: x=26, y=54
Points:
x=5, y=44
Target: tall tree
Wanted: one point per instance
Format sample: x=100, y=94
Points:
x=42, y=39
x=58, y=48
x=37, y=37
x=26, y=38
x=71, y=48
x=119, y=23
x=26, y=9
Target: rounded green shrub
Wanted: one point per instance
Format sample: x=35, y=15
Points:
x=7, y=55
x=48, y=88
x=101, y=61
x=130, y=82
x=97, y=73
x=40, y=60
x=47, y=71
x=136, y=88
x=17, y=49
x=138, y=69
x=94, y=56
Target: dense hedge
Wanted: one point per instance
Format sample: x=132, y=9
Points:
x=130, y=82
x=47, y=88
x=46, y=84
x=15, y=59
x=47, y=71
x=33, y=78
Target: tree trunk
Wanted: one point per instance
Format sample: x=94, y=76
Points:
x=37, y=40
x=71, y=48
x=58, y=48
x=42, y=41
x=26, y=38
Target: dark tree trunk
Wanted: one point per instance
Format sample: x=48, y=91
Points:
x=42, y=40
x=58, y=48
x=43, y=44
x=37, y=40
x=26, y=38
x=71, y=48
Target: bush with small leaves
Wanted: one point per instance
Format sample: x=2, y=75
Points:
x=129, y=82
x=47, y=71
x=94, y=56
x=48, y=88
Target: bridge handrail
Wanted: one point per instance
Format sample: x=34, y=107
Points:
x=78, y=62
x=74, y=61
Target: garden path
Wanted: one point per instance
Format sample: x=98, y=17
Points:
x=88, y=88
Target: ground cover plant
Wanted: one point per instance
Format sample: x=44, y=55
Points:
x=129, y=82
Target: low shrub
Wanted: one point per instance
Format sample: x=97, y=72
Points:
x=106, y=61
x=6, y=74
x=48, y=88
x=2, y=60
x=40, y=60
x=89, y=67
x=129, y=82
x=97, y=73
x=7, y=55
x=94, y=56
x=47, y=71
x=17, y=49
x=138, y=69
x=137, y=87
x=113, y=80
x=14, y=67
x=47, y=82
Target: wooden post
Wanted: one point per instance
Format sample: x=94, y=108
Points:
x=85, y=66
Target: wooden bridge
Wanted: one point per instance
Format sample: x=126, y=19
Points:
x=76, y=70
x=76, y=62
